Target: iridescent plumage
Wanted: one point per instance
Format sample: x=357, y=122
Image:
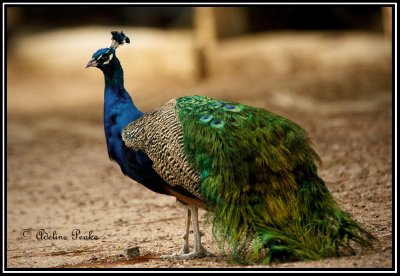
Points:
x=254, y=171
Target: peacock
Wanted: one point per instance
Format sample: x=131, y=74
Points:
x=253, y=171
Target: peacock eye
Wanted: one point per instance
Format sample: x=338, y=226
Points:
x=107, y=58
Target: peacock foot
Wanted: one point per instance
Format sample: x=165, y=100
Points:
x=184, y=255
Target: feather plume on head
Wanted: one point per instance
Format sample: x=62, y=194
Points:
x=103, y=57
x=118, y=39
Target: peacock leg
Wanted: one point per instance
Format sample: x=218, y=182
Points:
x=185, y=245
x=199, y=251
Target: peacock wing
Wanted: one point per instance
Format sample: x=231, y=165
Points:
x=159, y=134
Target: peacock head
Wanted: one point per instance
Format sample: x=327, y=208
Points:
x=102, y=58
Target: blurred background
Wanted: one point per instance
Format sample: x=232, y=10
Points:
x=327, y=67
x=182, y=44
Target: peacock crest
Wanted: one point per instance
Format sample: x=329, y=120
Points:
x=118, y=39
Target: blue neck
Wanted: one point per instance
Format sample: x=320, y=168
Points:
x=119, y=109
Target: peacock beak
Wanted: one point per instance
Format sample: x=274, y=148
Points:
x=91, y=63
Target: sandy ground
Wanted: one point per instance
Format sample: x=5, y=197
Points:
x=59, y=177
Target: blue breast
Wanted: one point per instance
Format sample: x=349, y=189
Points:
x=135, y=164
x=138, y=166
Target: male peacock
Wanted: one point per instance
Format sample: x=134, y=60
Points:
x=252, y=170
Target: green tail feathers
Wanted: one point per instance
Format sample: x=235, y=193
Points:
x=258, y=176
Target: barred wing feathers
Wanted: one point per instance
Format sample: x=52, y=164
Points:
x=159, y=134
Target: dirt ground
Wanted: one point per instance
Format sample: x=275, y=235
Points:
x=59, y=176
